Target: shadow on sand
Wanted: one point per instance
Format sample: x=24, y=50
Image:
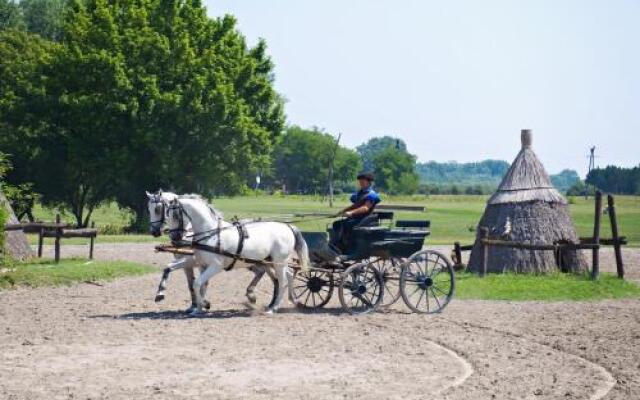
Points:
x=215, y=314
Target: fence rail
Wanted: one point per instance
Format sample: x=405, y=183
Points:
x=57, y=230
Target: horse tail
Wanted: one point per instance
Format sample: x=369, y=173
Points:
x=301, y=248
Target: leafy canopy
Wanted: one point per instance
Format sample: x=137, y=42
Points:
x=302, y=158
x=137, y=95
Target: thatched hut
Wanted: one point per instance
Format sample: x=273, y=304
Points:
x=15, y=242
x=527, y=208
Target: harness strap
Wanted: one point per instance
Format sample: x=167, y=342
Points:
x=241, y=237
x=214, y=250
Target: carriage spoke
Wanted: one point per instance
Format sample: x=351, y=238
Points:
x=436, y=298
x=440, y=290
x=426, y=292
x=419, y=298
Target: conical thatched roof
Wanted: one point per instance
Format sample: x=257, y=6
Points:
x=15, y=242
x=526, y=179
x=527, y=208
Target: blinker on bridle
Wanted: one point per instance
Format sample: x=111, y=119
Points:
x=181, y=214
x=159, y=202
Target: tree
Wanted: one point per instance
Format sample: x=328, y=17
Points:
x=369, y=150
x=615, y=179
x=395, y=171
x=302, y=156
x=10, y=15
x=565, y=179
x=44, y=17
x=137, y=95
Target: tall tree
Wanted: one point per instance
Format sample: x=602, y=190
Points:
x=10, y=15
x=614, y=179
x=395, y=171
x=44, y=17
x=140, y=95
x=302, y=157
x=373, y=146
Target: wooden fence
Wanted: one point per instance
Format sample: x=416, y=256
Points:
x=57, y=230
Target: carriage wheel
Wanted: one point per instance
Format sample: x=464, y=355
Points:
x=311, y=289
x=427, y=282
x=390, y=269
x=361, y=288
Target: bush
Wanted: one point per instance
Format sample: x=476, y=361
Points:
x=111, y=229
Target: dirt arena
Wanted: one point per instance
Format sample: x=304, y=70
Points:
x=111, y=341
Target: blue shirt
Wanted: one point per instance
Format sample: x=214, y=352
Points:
x=366, y=195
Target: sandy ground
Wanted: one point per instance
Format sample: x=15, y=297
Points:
x=110, y=341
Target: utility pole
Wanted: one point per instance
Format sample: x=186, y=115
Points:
x=592, y=158
x=592, y=165
x=331, y=161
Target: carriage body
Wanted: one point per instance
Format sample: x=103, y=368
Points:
x=379, y=261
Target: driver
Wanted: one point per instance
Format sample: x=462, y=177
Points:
x=363, y=202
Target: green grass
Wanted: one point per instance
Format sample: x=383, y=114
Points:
x=105, y=215
x=553, y=287
x=47, y=273
x=453, y=218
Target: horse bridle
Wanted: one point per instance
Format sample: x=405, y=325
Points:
x=175, y=205
x=158, y=200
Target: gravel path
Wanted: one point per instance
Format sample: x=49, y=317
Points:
x=112, y=342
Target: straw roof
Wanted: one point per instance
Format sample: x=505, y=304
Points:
x=527, y=208
x=526, y=179
x=15, y=242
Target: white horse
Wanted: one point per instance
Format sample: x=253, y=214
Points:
x=157, y=205
x=218, y=244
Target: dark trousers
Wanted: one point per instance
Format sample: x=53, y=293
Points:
x=343, y=230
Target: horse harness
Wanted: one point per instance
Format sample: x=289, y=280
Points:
x=242, y=235
x=197, y=238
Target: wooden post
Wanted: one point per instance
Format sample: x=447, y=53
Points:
x=484, y=234
x=57, y=240
x=40, y=241
x=458, y=253
x=93, y=225
x=330, y=177
x=614, y=235
x=595, y=269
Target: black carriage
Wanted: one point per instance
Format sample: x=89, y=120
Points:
x=380, y=263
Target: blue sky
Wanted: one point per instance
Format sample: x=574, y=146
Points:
x=457, y=80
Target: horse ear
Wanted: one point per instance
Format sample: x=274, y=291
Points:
x=149, y=195
x=160, y=192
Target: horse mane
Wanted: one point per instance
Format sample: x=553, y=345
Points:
x=193, y=196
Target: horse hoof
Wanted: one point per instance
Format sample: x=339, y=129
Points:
x=196, y=313
x=159, y=298
x=252, y=298
x=190, y=309
x=207, y=305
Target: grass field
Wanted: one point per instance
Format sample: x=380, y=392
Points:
x=45, y=272
x=453, y=218
x=551, y=287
